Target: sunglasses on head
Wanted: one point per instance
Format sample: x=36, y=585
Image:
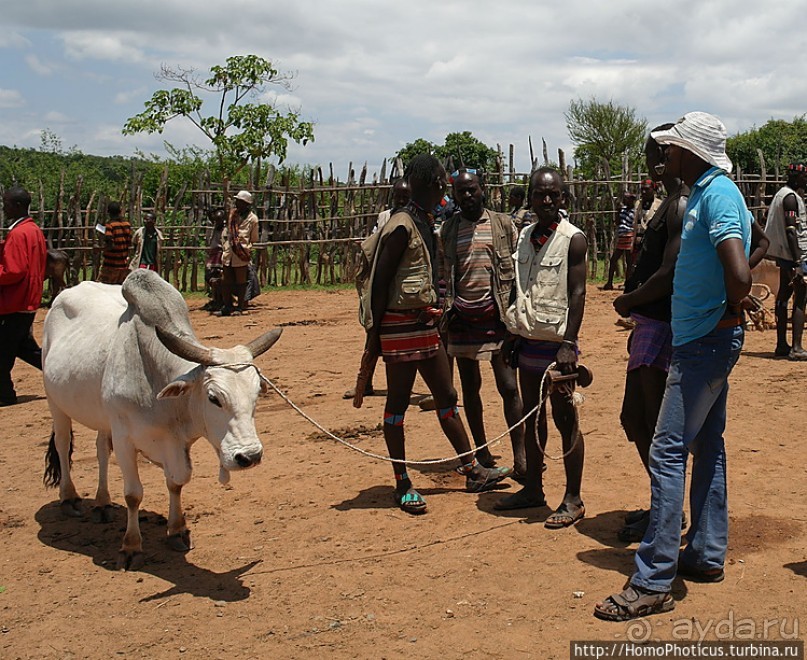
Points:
x=464, y=170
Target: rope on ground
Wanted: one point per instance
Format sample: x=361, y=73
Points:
x=389, y=553
x=434, y=461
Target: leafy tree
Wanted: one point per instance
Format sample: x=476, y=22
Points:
x=412, y=149
x=468, y=151
x=782, y=142
x=462, y=147
x=240, y=128
x=605, y=130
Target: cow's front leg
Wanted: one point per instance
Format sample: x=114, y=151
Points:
x=179, y=536
x=102, y=511
x=130, y=556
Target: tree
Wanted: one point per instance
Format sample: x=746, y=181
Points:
x=463, y=148
x=240, y=128
x=605, y=130
x=412, y=149
x=781, y=142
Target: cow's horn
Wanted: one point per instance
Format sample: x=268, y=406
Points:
x=263, y=343
x=186, y=349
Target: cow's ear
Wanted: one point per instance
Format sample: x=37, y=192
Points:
x=264, y=387
x=176, y=388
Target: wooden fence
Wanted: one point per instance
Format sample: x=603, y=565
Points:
x=309, y=232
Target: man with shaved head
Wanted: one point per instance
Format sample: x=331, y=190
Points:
x=22, y=272
x=478, y=246
x=544, y=320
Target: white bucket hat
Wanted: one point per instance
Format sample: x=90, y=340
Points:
x=702, y=134
x=244, y=196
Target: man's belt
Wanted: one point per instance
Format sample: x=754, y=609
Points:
x=730, y=322
x=732, y=318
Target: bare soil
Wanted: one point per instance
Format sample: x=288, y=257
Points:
x=306, y=554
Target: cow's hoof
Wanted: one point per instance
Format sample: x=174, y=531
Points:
x=72, y=507
x=103, y=514
x=181, y=541
x=132, y=560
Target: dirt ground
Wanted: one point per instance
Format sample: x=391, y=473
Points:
x=306, y=554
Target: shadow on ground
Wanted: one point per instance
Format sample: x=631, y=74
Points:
x=604, y=528
x=798, y=567
x=381, y=497
x=101, y=542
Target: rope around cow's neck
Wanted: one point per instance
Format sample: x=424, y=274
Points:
x=434, y=461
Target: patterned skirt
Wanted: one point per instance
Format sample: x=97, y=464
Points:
x=475, y=330
x=624, y=241
x=649, y=344
x=405, y=339
x=536, y=355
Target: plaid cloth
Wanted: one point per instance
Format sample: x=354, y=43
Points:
x=536, y=355
x=476, y=331
x=649, y=344
x=405, y=339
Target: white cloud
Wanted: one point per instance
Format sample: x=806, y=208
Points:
x=38, y=66
x=11, y=98
x=56, y=117
x=422, y=69
x=13, y=40
x=127, y=96
x=86, y=44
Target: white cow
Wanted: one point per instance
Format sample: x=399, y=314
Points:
x=125, y=362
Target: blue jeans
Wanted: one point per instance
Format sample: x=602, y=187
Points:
x=692, y=420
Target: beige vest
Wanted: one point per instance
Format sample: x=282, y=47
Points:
x=541, y=306
x=412, y=286
x=775, y=226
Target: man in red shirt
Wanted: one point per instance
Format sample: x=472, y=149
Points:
x=22, y=272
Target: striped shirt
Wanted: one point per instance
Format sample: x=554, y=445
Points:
x=118, y=240
x=474, y=259
x=625, y=221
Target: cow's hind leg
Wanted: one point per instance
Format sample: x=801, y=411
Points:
x=58, y=459
x=179, y=536
x=131, y=552
x=102, y=511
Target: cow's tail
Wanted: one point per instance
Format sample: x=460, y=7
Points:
x=53, y=468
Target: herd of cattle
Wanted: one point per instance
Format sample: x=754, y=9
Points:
x=124, y=361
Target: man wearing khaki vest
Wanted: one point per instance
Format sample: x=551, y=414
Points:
x=402, y=329
x=544, y=320
x=478, y=245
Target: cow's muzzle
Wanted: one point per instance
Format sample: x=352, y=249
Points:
x=248, y=459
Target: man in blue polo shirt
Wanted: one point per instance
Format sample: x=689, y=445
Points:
x=712, y=276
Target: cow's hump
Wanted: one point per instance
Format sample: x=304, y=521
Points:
x=156, y=302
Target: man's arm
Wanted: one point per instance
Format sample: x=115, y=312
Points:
x=386, y=266
x=576, y=284
x=760, y=244
x=791, y=209
x=736, y=272
x=253, y=231
x=14, y=264
x=659, y=284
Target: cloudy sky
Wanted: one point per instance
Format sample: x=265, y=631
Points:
x=374, y=75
